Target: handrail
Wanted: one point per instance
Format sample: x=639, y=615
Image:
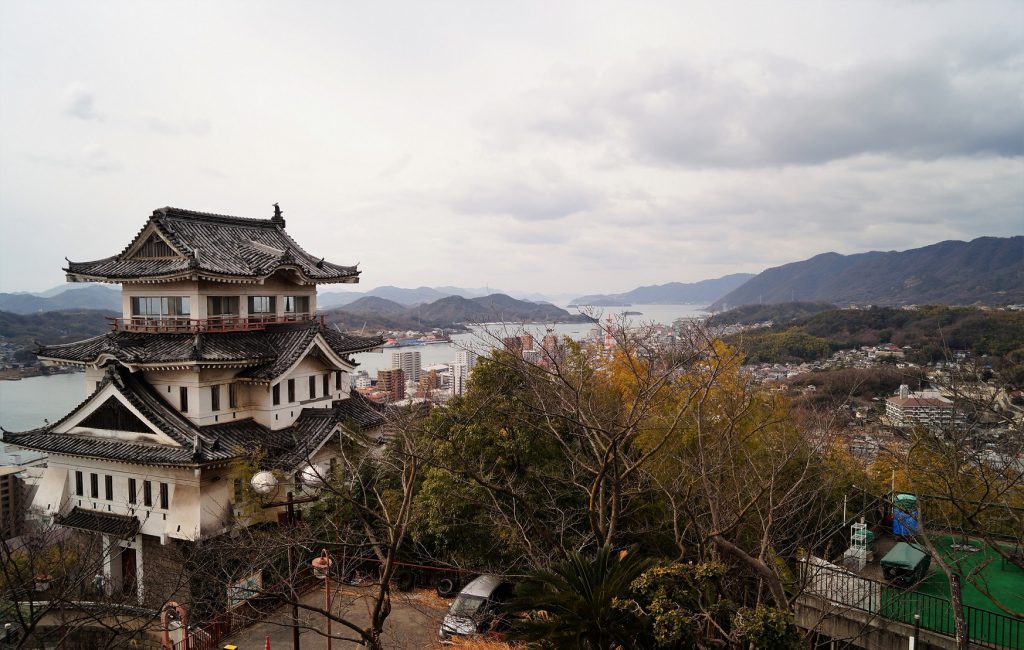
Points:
x=985, y=628
x=215, y=324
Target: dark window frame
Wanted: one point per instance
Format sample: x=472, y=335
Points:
x=327, y=384
x=165, y=496
x=267, y=302
x=215, y=397
x=132, y=487
x=147, y=494
x=275, y=393
x=337, y=380
x=232, y=396
x=94, y=485
x=312, y=387
x=183, y=398
x=108, y=487
x=79, y=484
x=291, y=391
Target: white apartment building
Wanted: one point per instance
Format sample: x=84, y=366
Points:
x=409, y=362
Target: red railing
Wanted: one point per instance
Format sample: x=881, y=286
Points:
x=197, y=325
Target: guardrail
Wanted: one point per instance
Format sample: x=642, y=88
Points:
x=205, y=325
x=985, y=628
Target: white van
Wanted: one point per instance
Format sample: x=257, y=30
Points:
x=477, y=609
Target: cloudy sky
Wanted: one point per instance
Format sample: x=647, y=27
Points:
x=572, y=147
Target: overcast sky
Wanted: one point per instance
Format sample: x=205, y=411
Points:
x=575, y=147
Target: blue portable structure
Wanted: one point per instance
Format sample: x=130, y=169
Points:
x=905, y=515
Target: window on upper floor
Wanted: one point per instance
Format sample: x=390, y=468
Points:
x=337, y=380
x=164, y=496
x=131, y=490
x=312, y=387
x=261, y=305
x=183, y=398
x=108, y=487
x=232, y=396
x=291, y=390
x=296, y=304
x=147, y=493
x=79, y=484
x=94, y=486
x=215, y=398
x=160, y=306
x=327, y=384
x=221, y=306
x=276, y=394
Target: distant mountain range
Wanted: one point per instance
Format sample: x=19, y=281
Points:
x=407, y=297
x=987, y=270
x=673, y=293
x=372, y=313
x=89, y=296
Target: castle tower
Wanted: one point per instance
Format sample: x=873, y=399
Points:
x=218, y=357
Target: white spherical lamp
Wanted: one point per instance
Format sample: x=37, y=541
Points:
x=312, y=476
x=263, y=482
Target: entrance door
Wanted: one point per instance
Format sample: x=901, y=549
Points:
x=128, y=571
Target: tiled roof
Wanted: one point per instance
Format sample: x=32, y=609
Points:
x=270, y=351
x=108, y=523
x=215, y=246
x=199, y=445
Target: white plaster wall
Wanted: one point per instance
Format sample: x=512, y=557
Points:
x=183, y=486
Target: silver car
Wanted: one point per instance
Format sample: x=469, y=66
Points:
x=477, y=608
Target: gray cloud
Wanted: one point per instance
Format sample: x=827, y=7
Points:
x=80, y=103
x=183, y=126
x=751, y=112
x=93, y=159
x=539, y=194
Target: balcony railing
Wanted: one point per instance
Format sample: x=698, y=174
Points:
x=178, y=325
x=986, y=628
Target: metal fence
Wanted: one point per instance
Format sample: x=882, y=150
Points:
x=833, y=583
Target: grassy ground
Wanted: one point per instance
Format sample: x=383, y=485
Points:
x=1004, y=582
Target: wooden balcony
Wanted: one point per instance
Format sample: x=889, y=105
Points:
x=216, y=324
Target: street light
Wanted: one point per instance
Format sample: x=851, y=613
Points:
x=264, y=483
x=322, y=569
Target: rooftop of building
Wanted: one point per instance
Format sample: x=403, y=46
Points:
x=284, y=448
x=264, y=354
x=176, y=244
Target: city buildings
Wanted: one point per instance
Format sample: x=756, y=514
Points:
x=463, y=365
x=218, y=358
x=392, y=382
x=408, y=362
x=931, y=411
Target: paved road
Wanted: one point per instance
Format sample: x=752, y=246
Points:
x=413, y=623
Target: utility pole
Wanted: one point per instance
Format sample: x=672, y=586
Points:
x=290, y=524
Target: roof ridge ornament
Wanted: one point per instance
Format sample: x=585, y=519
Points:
x=278, y=218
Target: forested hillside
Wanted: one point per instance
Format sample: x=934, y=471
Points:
x=987, y=270
x=930, y=330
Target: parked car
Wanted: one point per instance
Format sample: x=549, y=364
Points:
x=477, y=609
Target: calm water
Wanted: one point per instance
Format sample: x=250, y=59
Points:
x=26, y=404
x=482, y=341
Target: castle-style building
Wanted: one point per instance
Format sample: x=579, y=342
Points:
x=219, y=358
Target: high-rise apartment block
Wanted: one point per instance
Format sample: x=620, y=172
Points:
x=392, y=381
x=409, y=362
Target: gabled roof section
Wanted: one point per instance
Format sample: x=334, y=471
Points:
x=212, y=247
x=219, y=443
x=272, y=350
x=95, y=521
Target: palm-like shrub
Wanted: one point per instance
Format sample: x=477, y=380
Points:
x=574, y=605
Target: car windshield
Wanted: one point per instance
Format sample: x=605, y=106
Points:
x=466, y=605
